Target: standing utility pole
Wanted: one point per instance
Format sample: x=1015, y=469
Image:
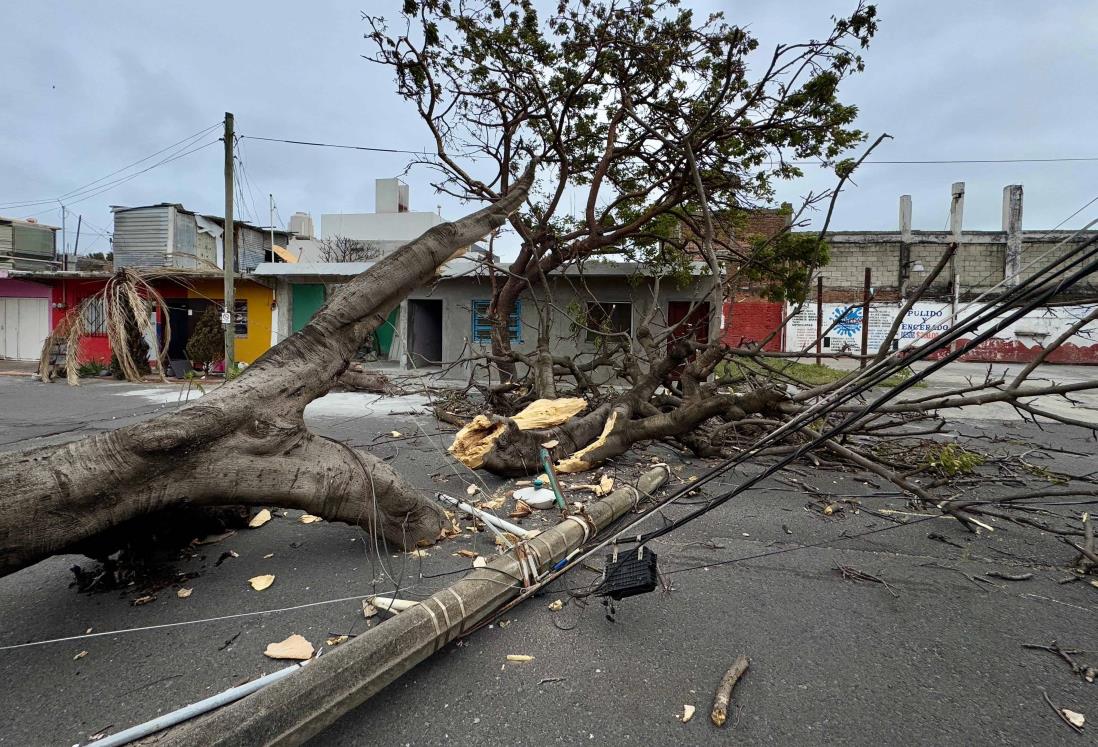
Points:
x=866, y=293
x=228, y=315
x=956, y=217
x=819, y=317
x=272, y=226
x=64, y=240
x=76, y=246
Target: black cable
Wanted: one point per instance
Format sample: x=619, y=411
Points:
x=1030, y=287
x=335, y=145
x=84, y=188
x=873, y=376
x=1038, y=297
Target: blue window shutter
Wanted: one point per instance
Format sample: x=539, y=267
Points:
x=514, y=323
x=482, y=326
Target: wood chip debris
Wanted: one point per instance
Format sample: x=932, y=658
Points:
x=368, y=610
x=260, y=519
x=1074, y=718
x=556, y=605
x=395, y=434
x=472, y=490
x=295, y=647
x=80, y=655
x=521, y=511
x=551, y=444
x=687, y=712
x=336, y=640
x=309, y=519
x=144, y=600
x=184, y=593
x=519, y=658
x=479, y=562
x=467, y=553
x=259, y=583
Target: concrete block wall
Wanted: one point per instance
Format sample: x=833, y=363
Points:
x=850, y=255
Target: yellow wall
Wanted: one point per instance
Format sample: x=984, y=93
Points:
x=259, y=299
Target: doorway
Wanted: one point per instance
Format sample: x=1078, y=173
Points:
x=183, y=316
x=424, y=332
x=693, y=323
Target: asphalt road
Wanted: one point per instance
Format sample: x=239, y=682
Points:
x=932, y=657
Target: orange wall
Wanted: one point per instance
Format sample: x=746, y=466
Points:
x=259, y=298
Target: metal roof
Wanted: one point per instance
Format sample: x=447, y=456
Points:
x=25, y=222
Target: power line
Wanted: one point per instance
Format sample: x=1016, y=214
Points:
x=111, y=185
x=423, y=152
x=185, y=143
x=964, y=160
x=335, y=145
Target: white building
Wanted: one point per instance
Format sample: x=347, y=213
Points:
x=390, y=226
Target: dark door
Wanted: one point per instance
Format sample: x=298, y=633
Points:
x=425, y=332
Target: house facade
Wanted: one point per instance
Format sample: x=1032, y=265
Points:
x=446, y=321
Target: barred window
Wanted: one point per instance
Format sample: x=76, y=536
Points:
x=95, y=320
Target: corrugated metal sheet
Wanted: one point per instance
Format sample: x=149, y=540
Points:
x=141, y=237
x=184, y=241
x=252, y=249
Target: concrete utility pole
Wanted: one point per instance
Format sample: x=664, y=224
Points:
x=905, y=244
x=1012, y=226
x=299, y=707
x=956, y=217
x=272, y=197
x=228, y=316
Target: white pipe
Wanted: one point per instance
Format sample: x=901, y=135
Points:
x=390, y=604
x=193, y=710
x=484, y=516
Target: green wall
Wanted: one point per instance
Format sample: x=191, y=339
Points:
x=307, y=300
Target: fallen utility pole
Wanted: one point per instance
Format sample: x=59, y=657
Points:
x=297, y=708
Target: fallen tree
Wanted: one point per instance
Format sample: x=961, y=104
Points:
x=246, y=441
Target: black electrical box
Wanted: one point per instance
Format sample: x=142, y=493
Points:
x=628, y=574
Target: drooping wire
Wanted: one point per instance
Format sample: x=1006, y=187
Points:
x=91, y=186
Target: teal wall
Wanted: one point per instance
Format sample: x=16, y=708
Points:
x=307, y=300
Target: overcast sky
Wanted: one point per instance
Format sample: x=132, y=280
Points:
x=91, y=87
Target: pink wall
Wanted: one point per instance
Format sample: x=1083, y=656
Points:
x=12, y=288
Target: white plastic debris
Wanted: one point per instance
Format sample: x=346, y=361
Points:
x=536, y=496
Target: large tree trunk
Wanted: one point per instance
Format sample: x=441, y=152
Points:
x=246, y=441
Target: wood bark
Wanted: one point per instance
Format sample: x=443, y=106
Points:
x=246, y=441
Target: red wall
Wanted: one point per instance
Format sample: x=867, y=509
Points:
x=751, y=321
x=68, y=294
x=1014, y=351
x=11, y=288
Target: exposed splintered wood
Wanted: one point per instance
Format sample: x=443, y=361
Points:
x=724, y=690
x=475, y=440
x=246, y=441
